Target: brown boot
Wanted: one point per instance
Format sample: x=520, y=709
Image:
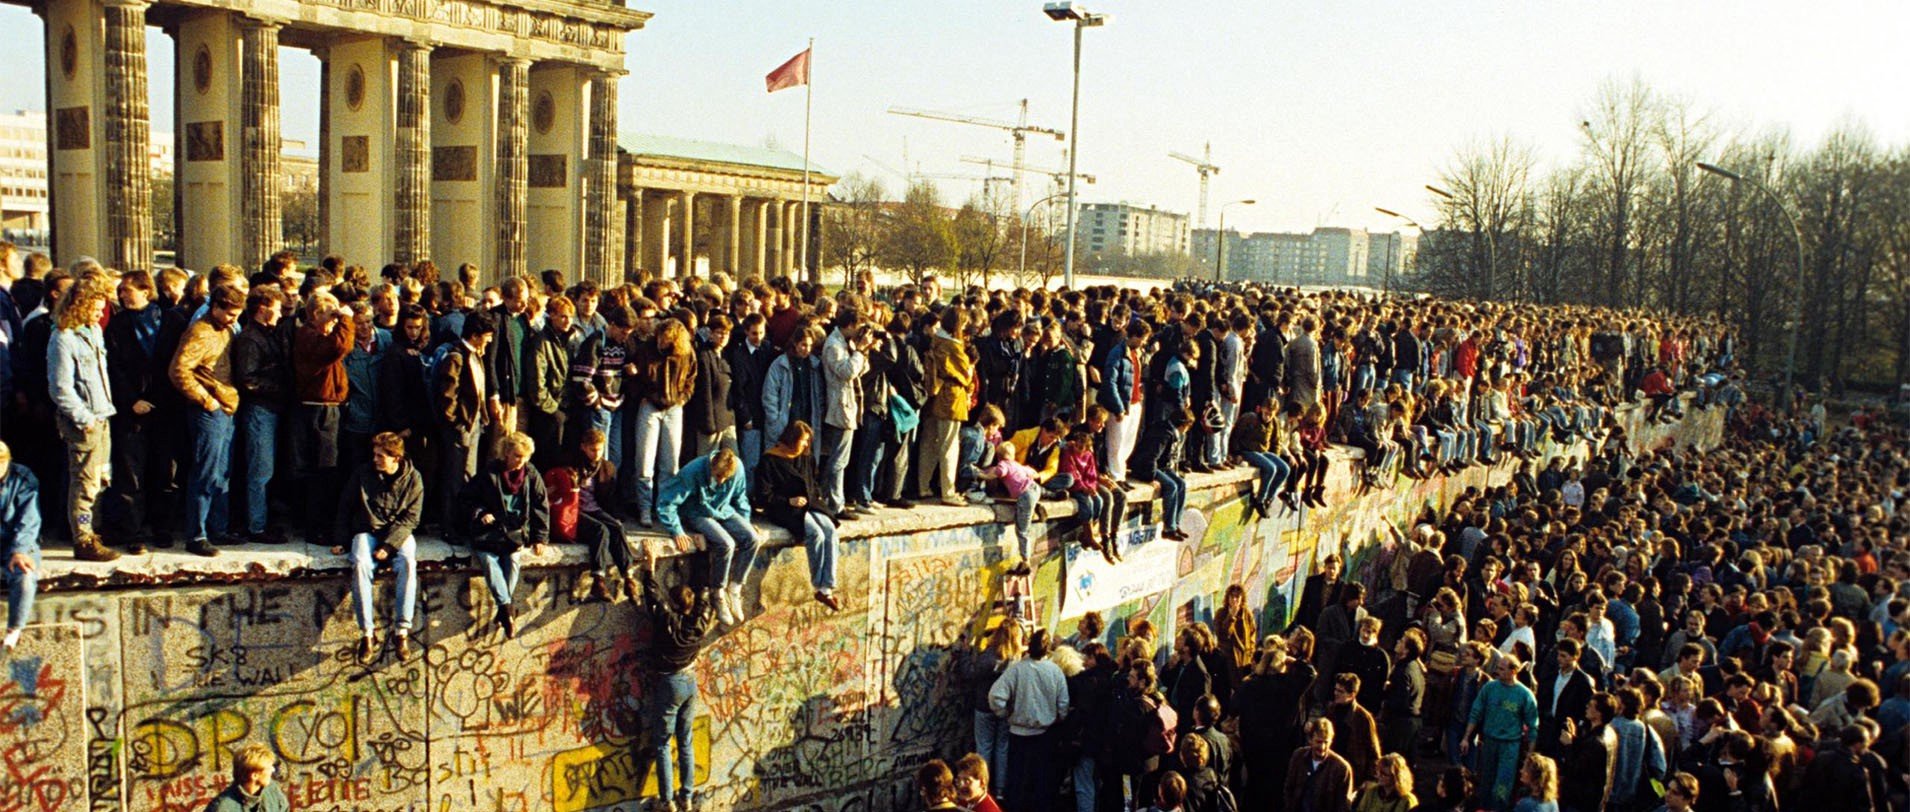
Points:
x=88, y=548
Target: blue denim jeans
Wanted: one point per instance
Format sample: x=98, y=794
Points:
x=731, y=544
x=819, y=539
x=672, y=709
x=749, y=448
x=1173, y=497
x=500, y=574
x=261, y=427
x=659, y=436
x=991, y=743
x=836, y=444
x=21, y=588
x=1085, y=784
x=404, y=565
x=1273, y=473
x=210, y=483
x=1025, y=519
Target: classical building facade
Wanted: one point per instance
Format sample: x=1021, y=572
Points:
x=479, y=131
x=740, y=208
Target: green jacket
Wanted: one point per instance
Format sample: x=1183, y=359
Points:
x=234, y=799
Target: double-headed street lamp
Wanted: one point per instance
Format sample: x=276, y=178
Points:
x=1797, y=300
x=1220, y=240
x=1024, y=231
x=1068, y=11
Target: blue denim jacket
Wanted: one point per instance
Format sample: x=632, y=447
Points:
x=76, y=372
x=19, y=512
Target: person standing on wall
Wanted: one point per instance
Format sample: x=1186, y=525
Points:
x=83, y=403
x=682, y=622
x=202, y=371
x=320, y=383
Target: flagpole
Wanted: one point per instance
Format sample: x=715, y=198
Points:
x=808, y=95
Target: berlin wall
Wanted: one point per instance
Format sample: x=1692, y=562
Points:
x=133, y=697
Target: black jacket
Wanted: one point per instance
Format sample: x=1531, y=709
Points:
x=747, y=370
x=385, y=506
x=678, y=636
x=134, y=373
x=262, y=366
x=711, y=408
x=528, y=524
x=404, y=401
x=1570, y=703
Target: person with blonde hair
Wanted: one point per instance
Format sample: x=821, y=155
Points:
x=709, y=497
x=252, y=790
x=666, y=375
x=1539, y=780
x=1391, y=789
x=503, y=510
x=83, y=403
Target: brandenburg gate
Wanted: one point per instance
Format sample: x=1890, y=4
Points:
x=479, y=131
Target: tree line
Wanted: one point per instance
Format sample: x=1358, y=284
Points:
x=1632, y=221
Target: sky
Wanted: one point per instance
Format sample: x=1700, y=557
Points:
x=1320, y=111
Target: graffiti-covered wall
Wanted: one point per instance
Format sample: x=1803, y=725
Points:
x=135, y=698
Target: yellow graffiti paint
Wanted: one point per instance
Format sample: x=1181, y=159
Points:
x=608, y=772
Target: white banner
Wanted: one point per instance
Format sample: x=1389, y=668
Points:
x=1094, y=585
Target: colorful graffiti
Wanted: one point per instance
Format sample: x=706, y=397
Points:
x=136, y=699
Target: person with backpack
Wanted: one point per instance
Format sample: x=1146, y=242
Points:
x=1206, y=789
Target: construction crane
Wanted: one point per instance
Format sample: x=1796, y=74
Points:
x=1205, y=166
x=1060, y=176
x=1019, y=129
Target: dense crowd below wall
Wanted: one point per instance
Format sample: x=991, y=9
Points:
x=240, y=407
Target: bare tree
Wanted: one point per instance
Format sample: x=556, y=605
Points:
x=1488, y=202
x=854, y=226
x=920, y=234
x=1617, y=145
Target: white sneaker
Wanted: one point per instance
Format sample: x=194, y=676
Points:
x=737, y=607
x=12, y=639
x=724, y=613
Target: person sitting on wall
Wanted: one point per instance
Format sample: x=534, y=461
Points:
x=252, y=789
x=504, y=510
x=377, y=512
x=581, y=493
x=20, y=541
x=793, y=500
x=709, y=498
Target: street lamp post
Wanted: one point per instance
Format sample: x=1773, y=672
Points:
x=1392, y=245
x=1068, y=11
x=1220, y=240
x=1492, y=244
x=1024, y=231
x=1797, y=300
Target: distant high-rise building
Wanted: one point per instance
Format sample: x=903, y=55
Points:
x=23, y=187
x=1325, y=256
x=1125, y=228
x=1396, y=250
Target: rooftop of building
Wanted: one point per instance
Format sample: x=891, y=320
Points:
x=645, y=145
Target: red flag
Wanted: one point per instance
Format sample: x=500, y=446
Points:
x=792, y=73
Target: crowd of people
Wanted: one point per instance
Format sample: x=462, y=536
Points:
x=146, y=409
x=1645, y=628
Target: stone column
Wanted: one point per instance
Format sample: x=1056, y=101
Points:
x=792, y=233
x=732, y=235
x=773, y=252
x=750, y=262
x=128, y=165
x=686, y=232
x=513, y=163
x=261, y=179
x=633, y=236
x=412, y=212
x=600, y=180
x=324, y=144
x=656, y=235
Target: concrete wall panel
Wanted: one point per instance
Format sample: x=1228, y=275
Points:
x=801, y=709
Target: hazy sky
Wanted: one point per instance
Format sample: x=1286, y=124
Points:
x=1320, y=110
